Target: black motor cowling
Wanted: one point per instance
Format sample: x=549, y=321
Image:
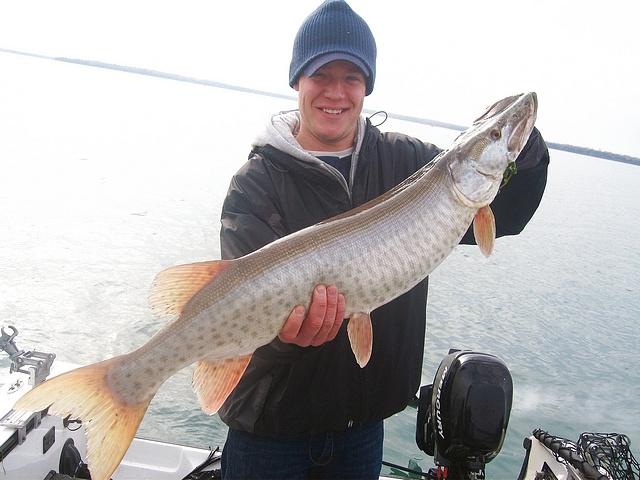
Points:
x=463, y=416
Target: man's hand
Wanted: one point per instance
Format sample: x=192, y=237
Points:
x=321, y=324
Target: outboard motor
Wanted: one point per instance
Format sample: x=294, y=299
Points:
x=463, y=416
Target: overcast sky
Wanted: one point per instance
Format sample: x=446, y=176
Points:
x=444, y=60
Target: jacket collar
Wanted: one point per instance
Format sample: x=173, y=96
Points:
x=281, y=130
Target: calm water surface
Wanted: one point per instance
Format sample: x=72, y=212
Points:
x=107, y=178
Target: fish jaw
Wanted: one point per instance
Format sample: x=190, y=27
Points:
x=482, y=153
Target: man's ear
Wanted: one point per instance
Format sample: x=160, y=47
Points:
x=295, y=86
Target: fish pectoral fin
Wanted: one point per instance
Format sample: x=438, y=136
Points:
x=214, y=380
x=84, y=394
x=484, y=230
x=360, y=332
x=174, y=287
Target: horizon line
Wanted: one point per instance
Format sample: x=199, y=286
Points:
x=591, y=152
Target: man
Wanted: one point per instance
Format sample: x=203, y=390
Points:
x=304, y=408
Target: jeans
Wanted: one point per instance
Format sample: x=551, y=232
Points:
x=352, y=453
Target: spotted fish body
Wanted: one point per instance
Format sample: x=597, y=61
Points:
x=227, y=309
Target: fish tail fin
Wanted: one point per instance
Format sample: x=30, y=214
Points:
x=110, y=423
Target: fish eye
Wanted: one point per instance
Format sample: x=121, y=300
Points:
x=495, y=134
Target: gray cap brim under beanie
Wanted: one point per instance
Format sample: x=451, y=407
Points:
x=334, y=28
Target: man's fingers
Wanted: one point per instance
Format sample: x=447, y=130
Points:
x=339, y=318
x=317, y=309
x=302, y=330
x=320, y=324
x=291, y=328
x=311, y=331
x=328, y=318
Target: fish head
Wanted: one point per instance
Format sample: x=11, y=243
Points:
x=482, y=153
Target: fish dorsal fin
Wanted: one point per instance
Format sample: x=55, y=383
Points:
x=214, y=380
x=174, y=287
x=484, y=230
x=360, y=334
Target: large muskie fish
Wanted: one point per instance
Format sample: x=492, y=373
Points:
x=227, y=309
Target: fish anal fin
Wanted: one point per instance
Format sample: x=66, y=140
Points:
x=214, y=380
x=360, y=332
x=484, y=230
x=174, y=287
x=110, y=423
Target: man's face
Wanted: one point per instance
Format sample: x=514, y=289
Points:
x=330, y=103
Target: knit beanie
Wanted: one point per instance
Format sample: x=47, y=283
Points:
x=334, y=30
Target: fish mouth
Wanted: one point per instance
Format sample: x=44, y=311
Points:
x=495, y=140
x=527, y=100
x=522, y=120
x=516, y=116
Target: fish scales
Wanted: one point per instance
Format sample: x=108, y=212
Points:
x=246, y=305
x=373, y=254
x=227, y=312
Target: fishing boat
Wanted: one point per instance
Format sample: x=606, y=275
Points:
x=462, y=421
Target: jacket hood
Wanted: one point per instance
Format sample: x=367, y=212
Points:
x=280, y=133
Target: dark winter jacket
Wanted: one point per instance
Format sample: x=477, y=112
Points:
x=292, y=390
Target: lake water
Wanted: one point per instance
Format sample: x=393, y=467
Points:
x=107, y=178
